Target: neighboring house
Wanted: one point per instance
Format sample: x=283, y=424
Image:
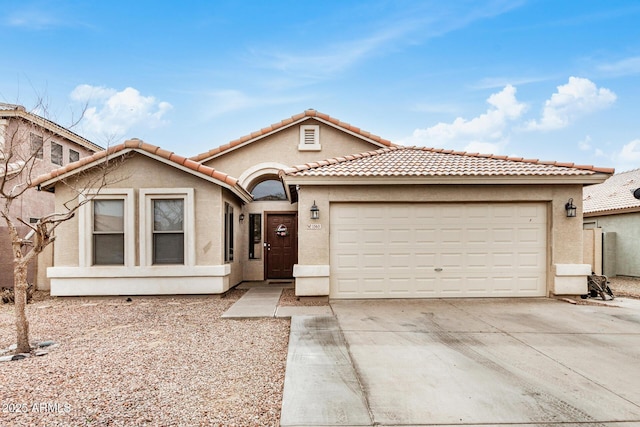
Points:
x=21, y=135
x=612, y=218
x=390, y=222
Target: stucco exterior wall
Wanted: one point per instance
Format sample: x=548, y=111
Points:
x=627, y=243
x=142, y=173
x=564, y=238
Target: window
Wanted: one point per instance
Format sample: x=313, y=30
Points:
x=36, y=145
x=255, y=236
x=56, y=154
x=168, y=231
x=309, y=138
x=74, y=156
x=167, y=226
x=228, y=232
x=108, y=232
x=271, y=189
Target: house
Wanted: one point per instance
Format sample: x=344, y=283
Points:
x=28, y=139
x=612, y=224
x=344, y=212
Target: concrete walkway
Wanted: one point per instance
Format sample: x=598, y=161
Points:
x=262, y=301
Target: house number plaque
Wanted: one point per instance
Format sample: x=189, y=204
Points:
x=314, y=226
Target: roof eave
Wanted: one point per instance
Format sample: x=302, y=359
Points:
x=633, y=209
x=52, y=127
x=281, y=128
x=236, y=188
x=439, y=180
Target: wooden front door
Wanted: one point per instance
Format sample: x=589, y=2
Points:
x=281, y=237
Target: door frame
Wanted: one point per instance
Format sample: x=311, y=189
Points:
x=265, y=237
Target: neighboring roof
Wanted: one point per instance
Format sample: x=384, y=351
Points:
x=151, y=151
x=11, y=110
x=612, y=196
x=11, y=168
x=430, y=162
x=293, y=120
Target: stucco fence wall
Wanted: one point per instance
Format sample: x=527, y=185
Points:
x=625, y=247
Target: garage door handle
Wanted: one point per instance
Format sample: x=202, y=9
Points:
x=438, y=269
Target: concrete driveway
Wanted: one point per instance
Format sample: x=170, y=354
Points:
x=525, y=362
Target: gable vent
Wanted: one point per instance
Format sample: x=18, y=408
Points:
x=309, y=138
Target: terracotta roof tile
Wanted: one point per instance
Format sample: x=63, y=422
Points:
x=612, y=195
x=141, y=146
x=283, y=123
x=421, y=161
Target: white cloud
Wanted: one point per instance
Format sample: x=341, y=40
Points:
x=228, y=100
x=575, y=99
x=629, y=157
x=623, y=67
x=113, y=113
x=487, y=133
x=585, y=144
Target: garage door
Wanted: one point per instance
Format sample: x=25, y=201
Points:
x=415, y=250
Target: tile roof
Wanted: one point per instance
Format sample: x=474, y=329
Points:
x=12, y=110
x=422, y=161
x=284, y=123
x=612, y=195
x=140, y=146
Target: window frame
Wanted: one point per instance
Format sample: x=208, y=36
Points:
x=95, y=233
x=229, y=235
x=159, y=233
x=77, y=154
x=35, y=139
x=56, y=145
x=255, y=236
x=85, y=221
x=146, y=232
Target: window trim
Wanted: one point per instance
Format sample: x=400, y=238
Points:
x=85, y=221
x=304, y=145
x=147, y=195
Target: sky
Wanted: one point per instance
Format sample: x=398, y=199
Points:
x=539, y=79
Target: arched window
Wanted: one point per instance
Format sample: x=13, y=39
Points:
x=270, y=189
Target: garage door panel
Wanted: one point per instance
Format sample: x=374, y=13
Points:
x=438, y=250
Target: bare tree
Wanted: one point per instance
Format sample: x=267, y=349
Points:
x=20, y=153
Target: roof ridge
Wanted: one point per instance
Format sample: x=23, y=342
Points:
x=309, y=113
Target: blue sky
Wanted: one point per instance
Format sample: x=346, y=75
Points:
x=547, y=79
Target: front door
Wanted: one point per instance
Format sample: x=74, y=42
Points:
x=281, y=245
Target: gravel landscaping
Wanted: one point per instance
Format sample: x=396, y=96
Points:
x=625, y=286
x=155, y=361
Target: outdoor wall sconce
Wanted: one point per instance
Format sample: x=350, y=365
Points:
x=315, y=212
x=241, y=217
x=571, y=208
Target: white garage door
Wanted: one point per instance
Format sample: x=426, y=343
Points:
x=419, y=250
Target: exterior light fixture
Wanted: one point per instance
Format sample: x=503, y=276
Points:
x=315, y=212
x=571, y=208
x=241, y=217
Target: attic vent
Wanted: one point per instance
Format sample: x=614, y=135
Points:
x=309, y=138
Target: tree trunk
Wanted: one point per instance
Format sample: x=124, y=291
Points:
x=20, y=295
